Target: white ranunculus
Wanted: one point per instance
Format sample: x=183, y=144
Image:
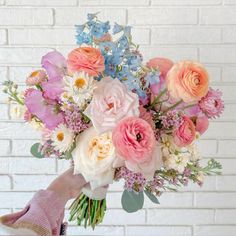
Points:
x=93, y=158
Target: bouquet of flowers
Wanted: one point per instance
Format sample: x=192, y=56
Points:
x=119, y=118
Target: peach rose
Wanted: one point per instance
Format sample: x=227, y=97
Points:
x=87, y=59
x=188, y=81
x=185, y=134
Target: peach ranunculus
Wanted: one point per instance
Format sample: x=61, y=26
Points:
x=162, y=64
x=87, y=59
x=188, y=81
x=185, y=134
x=136, y=145
x=111, y=102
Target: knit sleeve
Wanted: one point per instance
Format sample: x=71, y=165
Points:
x=43, y=215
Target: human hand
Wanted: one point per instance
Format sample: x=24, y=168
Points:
x=68, y=185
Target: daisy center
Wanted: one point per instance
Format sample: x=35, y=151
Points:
x=60, y=136
x=34, y=73
x=79, y=83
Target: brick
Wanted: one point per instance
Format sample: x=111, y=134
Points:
x=213, y=54
x=42, y=36
x=100, y=230
x=207, y=148
x=218, y=16
x=31, y=182
x=229, y=2
x=22, y=55
x=4, y=165
x=175, y=53
x=17, y=131
x=14, y=199
x=3, y=74
x=186, y=35
x=26, y=16
x=229, y=112
x=215, y=200
x=41, y=3
x=124, y=217
x=22, y=147
x=228, y=166
x=180, y=217
x=62, y=165
x=113, y=3
x=214, y=73
x=229, y=35
x=3, y=36
x=32, y=165
x=215, y=230
x=5, y=211
x=4, y=112
x=162, y=16
x=5, y=181
x=228, y=74
x=185, y=2
x=140, y=35
x=158, y=230
x=226, y=183
x=226, y=216
x=4, y=147
x=228, y=92
x=72, y=16
x=221, y=129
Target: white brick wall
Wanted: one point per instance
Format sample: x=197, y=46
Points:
x=180, y=29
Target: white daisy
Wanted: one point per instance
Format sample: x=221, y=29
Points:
x=62, y=138
x=80, y=87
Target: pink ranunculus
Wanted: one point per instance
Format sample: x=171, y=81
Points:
x=87, y=59
x=188, y=81
x=111, y=102
x=185, y=134
x=37, y=105
x=135, y=143
x=162, y=64
x=55, y=65
x=202, y=124
x=36, y=78
x=211, y=104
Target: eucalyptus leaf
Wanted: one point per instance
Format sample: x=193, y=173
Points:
x=35, y=150
x=132, y=201
x=152, y=197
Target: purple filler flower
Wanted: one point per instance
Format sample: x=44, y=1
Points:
x=43, y=109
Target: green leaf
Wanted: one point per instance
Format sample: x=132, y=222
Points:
x=132, y=201
x=152, y=197
x=34, y=151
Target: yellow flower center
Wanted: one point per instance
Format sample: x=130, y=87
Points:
x=60, y=136
x=79, y=83
x=34, y=73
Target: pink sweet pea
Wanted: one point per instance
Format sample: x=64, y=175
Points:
x=52, y=89
x=42, y=109
x=55, y=65
x=185, y=134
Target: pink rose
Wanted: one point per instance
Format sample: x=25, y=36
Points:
x=162, y=64
x=135, y=143
x=111, y=102
x=188, y=81
x=185, y=134
x=202, y=124
x=86, y=59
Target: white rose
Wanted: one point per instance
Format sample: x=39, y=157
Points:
x=93, y=158
x=111, y=102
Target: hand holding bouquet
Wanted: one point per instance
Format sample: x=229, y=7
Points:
x=118, y=118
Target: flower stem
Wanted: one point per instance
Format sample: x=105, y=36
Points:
x=156, y=99
x=173, y=106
